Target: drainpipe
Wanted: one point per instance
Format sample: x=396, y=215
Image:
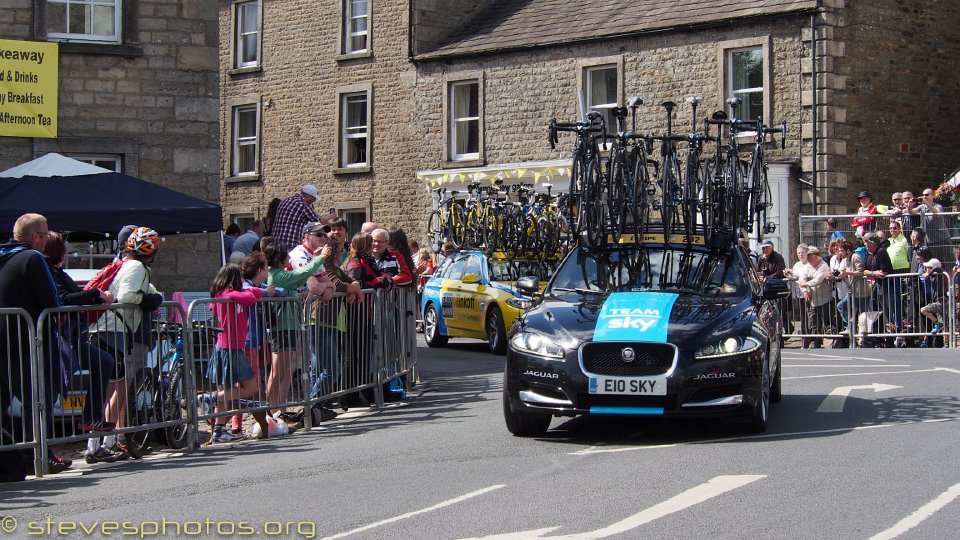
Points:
x=813, y=71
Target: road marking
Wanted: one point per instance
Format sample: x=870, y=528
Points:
x=862, y=374
x=791, y=366
x=834, y=401
x=408, y=515
x=594, y=450
x=830, y=357
x=921, y=514
x=708, y=490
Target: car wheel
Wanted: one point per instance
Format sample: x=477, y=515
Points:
x=524, y=425
x=496, y=333
x=761, y=412
x=776, y=390
x=431, y=328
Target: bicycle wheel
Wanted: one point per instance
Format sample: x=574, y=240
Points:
x=142, y=410
x=617, y=178
x=457, y=225
x=488, y=228
x=577, y=182
x=691, y=194
x=172, y=410
x=435, y=231
x=641, y=187
x=472, y=235
x=594, y=216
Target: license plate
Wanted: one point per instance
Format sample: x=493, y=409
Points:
x=628, y=386
x=74, y=403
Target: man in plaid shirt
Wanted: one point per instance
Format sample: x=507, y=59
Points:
x=292, y=214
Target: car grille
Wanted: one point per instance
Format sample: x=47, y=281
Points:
x=606, y=359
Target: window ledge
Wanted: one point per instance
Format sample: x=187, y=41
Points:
x=100, y=48
x=243, y=178
x=353, y=170
x=245, y=70
x=353, y=56
x=463, y=163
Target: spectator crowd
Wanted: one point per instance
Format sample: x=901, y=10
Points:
x=293, y=251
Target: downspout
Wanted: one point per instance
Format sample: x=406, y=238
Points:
x=813, y=85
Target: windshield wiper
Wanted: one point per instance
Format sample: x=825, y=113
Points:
x=586, y=291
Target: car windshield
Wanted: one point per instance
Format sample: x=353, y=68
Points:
x=653, y=268
x=503, y=270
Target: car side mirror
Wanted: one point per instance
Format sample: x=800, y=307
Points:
x=774, y=289
x=470, y=279
x=528, y=285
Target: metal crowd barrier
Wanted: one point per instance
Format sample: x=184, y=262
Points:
x=328, y=350
x=19, y=400
x=900, y=310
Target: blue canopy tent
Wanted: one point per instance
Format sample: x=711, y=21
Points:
x=91, y=203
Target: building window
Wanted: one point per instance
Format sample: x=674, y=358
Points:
x=465, y=120
x=246, y=140
x=246, y=52
x=356, y=26
x=745, y=79
x=354, y=129
x=107, y=162
x=601, y=91
x=95, y=21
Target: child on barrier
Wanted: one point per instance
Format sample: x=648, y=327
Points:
x=228, y=368
x=254, y=271
x=284, y=332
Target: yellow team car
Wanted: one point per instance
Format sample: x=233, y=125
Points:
x=472, y=295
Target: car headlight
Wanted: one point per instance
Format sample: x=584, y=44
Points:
x=536, y=344
x=730, y=346
x=519, y=303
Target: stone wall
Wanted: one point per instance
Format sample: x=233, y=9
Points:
x=893, y=94
x=156, y=103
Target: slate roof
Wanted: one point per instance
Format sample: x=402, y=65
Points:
x=519, y=24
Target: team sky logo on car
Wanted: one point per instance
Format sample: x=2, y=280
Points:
x=635, y=316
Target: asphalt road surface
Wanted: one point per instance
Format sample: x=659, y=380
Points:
x=864, y=445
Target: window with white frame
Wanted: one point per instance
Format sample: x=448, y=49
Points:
x=745, y=80
x=97, y=21
x=601, y=91
x=354, y=129
x=246, y=51
x=465, y=120
x=107, y=162
x=356, y=26
x=246, y=139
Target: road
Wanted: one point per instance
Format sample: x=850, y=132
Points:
x=863, y=445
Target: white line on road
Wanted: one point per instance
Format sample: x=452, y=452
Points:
x=861, y=374
x=790, y=366
x=921, y=514
x=437, y=506
x=708, y=490
x=595, y=450
x=809, y=356
x=716, y=486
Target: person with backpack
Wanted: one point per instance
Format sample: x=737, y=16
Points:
x=116, y=331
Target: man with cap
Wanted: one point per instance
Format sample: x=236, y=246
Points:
x=292, y=213
x=818, y=293
x=771, y=263
x=314, y=237
x=863, y=223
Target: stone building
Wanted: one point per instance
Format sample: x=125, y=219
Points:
x=138, y=93
x=373, y=100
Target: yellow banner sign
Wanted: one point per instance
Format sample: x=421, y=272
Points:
x=28, y=88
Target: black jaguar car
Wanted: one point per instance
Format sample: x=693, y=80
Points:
x=646, y=330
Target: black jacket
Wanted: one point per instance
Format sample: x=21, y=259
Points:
x=25, y=282
x=70, y=293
